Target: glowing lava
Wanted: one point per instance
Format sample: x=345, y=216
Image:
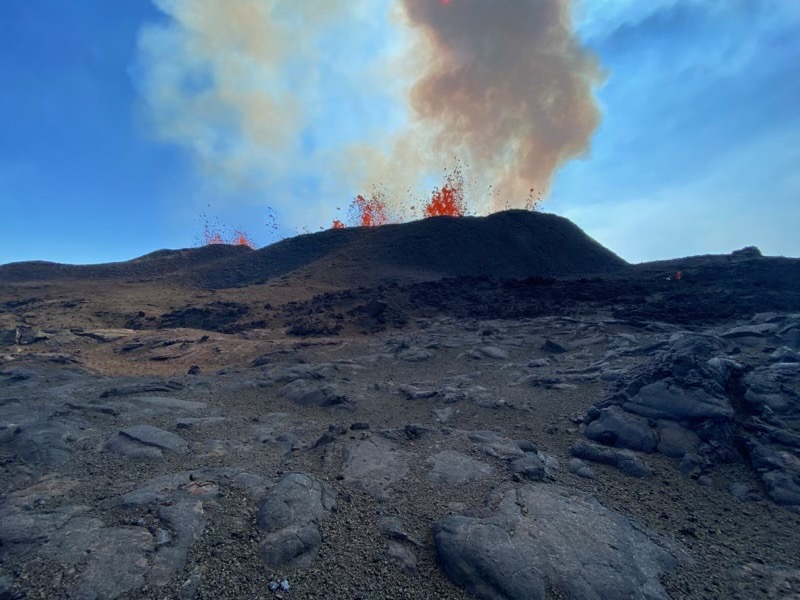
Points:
x=212, y=237
x=375, y=210
x=449, y=201
x=240, y=238
x=369, y=212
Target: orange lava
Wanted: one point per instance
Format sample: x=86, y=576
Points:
x=374, y=209
x=238, y=238
x=212, y=237
x=242, y=239
x=449, y=201
x=369, y=212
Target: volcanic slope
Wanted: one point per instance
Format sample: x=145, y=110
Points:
x=160, y=264
x=511, y=244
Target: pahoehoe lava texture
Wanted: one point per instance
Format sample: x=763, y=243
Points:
x=489, y=408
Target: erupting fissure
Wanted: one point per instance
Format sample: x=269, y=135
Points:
x=215, y=234
x=374, y=210
x=449, y=201
x=237, y=238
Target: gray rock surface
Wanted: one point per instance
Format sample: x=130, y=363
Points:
x=290, y=516
x=666, y=400
x=415, y=354
x=174, y=404
x=691, y=388
x=757, y=330
x=624, y=460
x=496, y=445
x=146, y=441
x=581, y=469
x=615, y=427
x=780, y=472
x=545, y=537
x=309, y=393
x=115, y=557
x=293, y=547
x=187, y=520
x=374, y=465
x=491, y=352
x=529, y=467
x=454, y=468
x=396, y=530
x=402, y=555
x=676, y=441
x=297, y=499
x=198, y=422
x=41, y=440
x=744, y=492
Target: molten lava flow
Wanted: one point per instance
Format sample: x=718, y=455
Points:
x=337, y=224
x=449, y=201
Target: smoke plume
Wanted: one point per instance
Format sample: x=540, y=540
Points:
x=269, y=93
x=506, y=86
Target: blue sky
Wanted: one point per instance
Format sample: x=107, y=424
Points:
x=698, y=149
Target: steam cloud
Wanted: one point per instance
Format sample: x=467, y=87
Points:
x=245, y=84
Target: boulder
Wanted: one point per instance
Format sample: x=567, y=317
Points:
x=297, y=499
x=309, y=393
x=290, y=516
x=780, y=472
x=676, y=441
x=623, y=460
x=554, y=347
x=294, y=547
x=618, y=428
x=529, y=467
x=666, y=400
x=581, y=469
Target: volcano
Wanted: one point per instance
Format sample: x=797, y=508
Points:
x=510, y=244
x=460, y=408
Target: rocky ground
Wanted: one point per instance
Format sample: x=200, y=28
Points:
x=589, y=438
